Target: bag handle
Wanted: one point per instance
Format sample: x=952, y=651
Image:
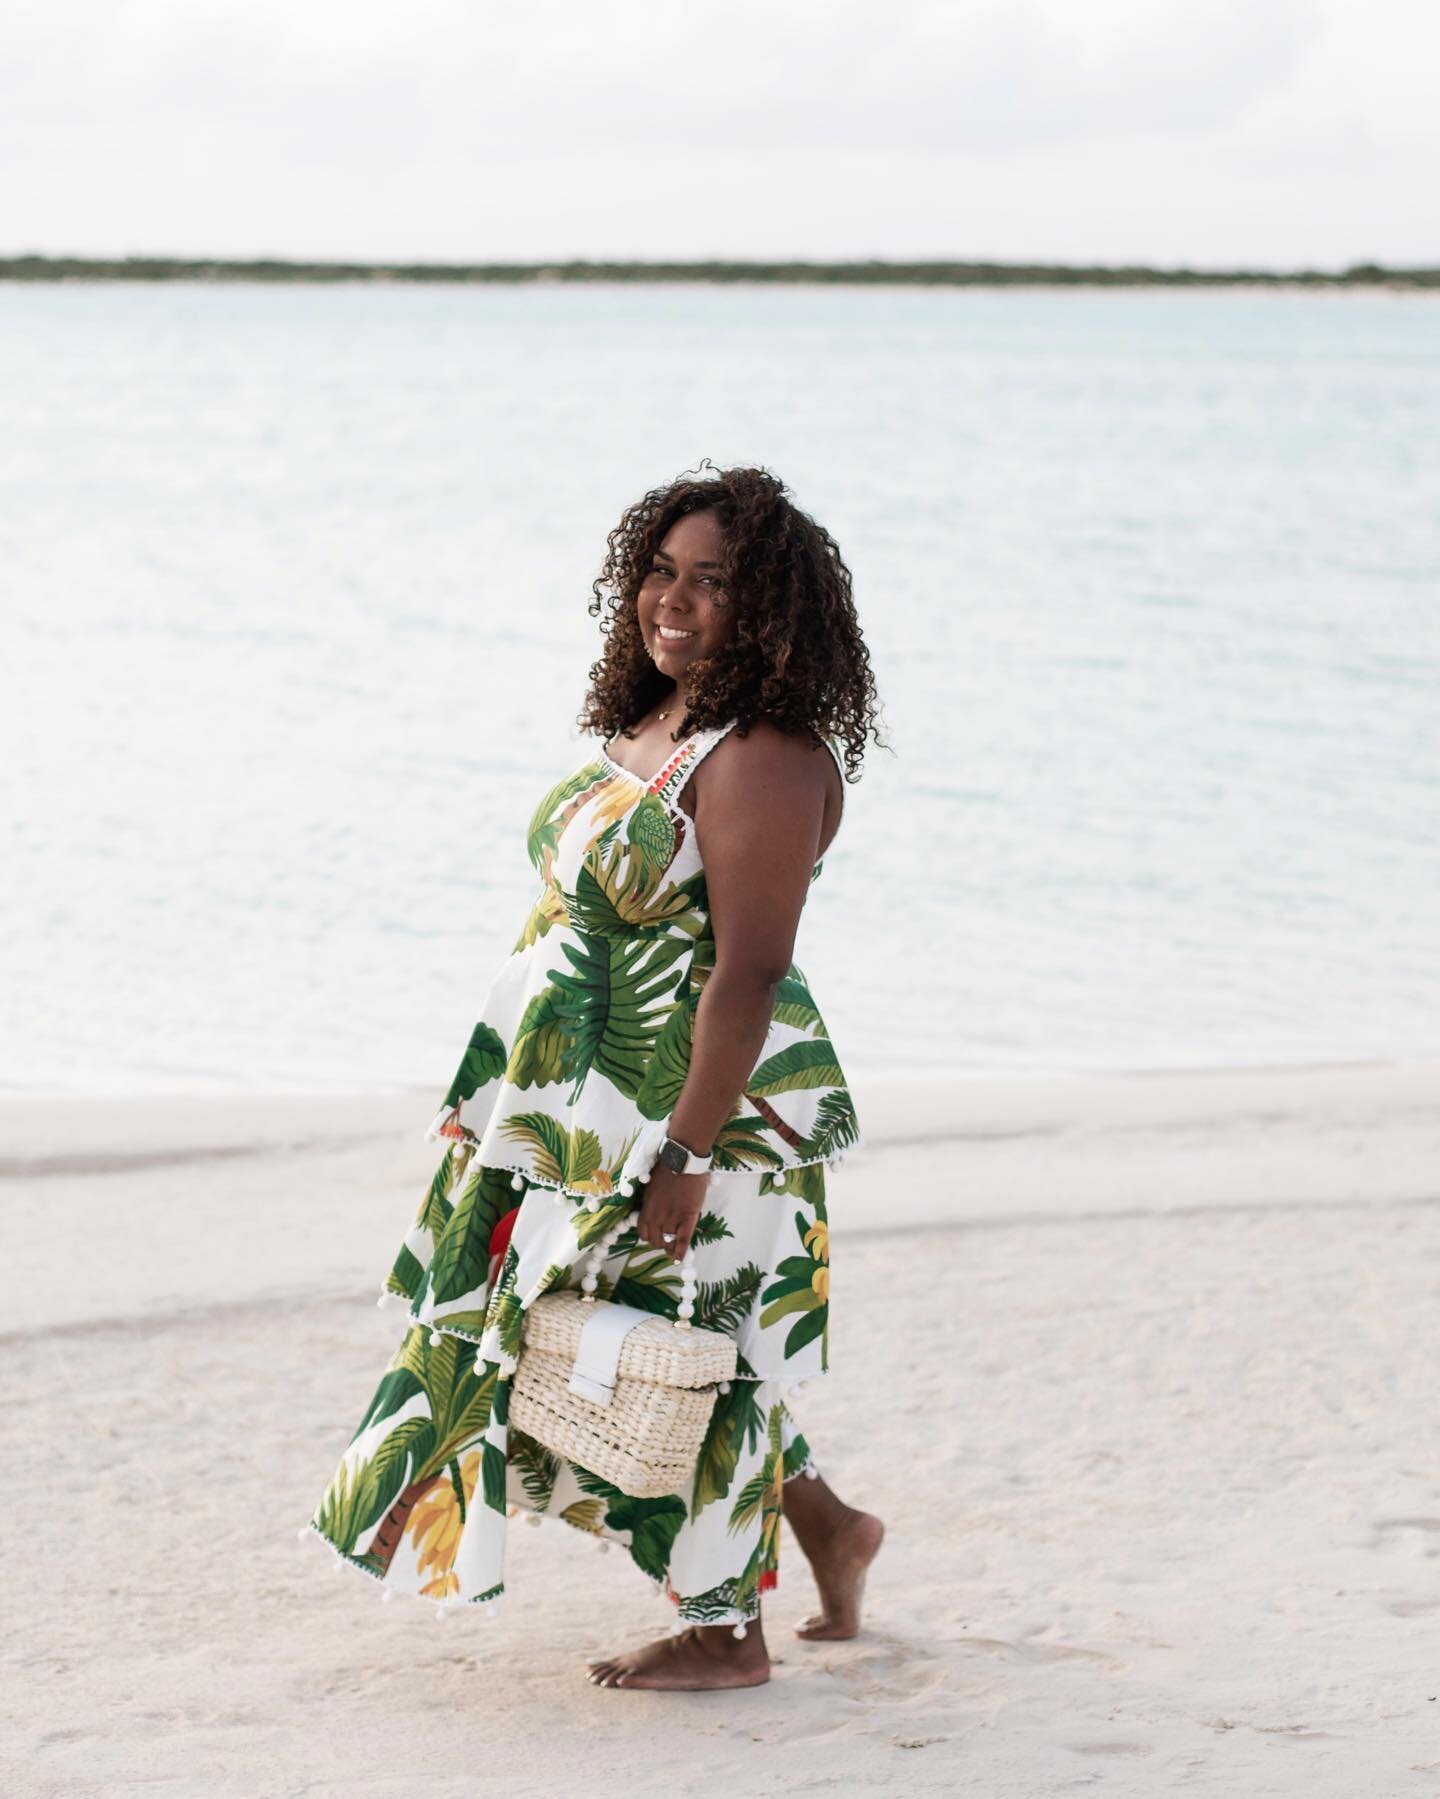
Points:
x=591, y=1278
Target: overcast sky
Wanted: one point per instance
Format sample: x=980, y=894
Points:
x=1268, y=132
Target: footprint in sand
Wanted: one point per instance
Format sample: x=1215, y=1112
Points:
x=1111, y=1748
x=1044, y=1652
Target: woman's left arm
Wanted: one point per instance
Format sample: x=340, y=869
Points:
x=759, y=830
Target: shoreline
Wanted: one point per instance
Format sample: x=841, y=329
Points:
x=51, y=1131
x=209, y=1201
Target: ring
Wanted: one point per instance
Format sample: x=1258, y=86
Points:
x=667, y=1236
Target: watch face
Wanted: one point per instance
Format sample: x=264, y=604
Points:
x=673, y=1155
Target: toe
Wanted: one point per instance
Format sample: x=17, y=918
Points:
x=819, y=1631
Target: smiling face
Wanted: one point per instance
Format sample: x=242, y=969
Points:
x=683, y=593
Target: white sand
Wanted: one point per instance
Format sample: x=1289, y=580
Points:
x=1140, y=1370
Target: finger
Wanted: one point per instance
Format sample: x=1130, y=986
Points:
x=654, y=1230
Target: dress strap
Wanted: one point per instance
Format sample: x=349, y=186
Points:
x=688, y=756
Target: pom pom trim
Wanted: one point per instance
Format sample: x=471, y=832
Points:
x=634, y=1170
x=449, y=1603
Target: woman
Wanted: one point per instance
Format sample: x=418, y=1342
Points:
x=648, y=1020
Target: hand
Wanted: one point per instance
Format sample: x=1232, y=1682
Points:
x=671, y=1202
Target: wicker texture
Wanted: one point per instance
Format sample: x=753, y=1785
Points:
x=645, y=1442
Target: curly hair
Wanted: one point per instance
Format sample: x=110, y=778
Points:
x=793, y=656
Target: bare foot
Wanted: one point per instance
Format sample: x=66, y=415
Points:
x=839, y=1543
x=700, y=1659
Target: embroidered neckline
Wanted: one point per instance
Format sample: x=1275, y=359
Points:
x=664, y=773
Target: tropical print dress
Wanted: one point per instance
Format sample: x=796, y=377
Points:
x=552, y=1123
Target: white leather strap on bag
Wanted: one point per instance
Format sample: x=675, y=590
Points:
x=597, y=1361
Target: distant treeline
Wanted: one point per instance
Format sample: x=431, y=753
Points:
x=886, y=274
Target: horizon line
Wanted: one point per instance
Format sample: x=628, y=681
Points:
x=928, y=271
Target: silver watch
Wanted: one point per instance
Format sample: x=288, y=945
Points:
x=681, y=1159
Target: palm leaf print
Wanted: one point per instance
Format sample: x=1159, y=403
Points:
x=585, y=1514
x=614, y=1006
x=397, y=1387
x=461, y=1262
x=736, y=1416
x=590, y=1227
x=742, y=1144
x=797, y=1454
x=810, y=1064
x=348, y=1508
x=483, y=1060
x=569, y=1158
x=651, y=1283
x=750, y=1500
x=802, y=1286
x=542, y=1049
x=805, y=1183
x=652, y=1523
x=492, y=1475
x=613, y=898
x=382, y=1489
x=545, y=826
x=538, y=1468
x=722, y=1305
x=713, y=1605
x=435, y=1208
x=794, y=1006
x=652, y=837
x=659, y=1092
x=835, y=1126
x=763, y=1497
x=505, y=1314
x=406, y=1276
x=548, y=911
x=339, y=1517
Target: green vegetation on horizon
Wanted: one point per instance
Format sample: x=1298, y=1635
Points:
x=892, y=274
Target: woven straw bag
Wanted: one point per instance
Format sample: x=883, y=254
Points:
x=622, y=1392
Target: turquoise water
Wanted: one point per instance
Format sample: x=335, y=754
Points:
x=296, y=586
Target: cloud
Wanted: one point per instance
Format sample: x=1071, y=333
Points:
x=1200, y=130
x=556, y=75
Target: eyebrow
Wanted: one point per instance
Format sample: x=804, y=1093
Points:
x=669, y=558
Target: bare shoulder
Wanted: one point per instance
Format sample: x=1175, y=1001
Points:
x=786, y=767
x=768, y=750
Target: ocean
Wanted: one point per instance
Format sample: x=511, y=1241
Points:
x=296, y=604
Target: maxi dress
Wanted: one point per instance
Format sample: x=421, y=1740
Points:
x=551, y=1124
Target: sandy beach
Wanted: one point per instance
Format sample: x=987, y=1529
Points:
x=1138, y=1368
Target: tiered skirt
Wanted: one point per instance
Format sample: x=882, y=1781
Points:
x=433, y=1474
